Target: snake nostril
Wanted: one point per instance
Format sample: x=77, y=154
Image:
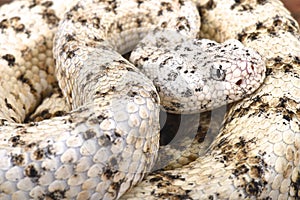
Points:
x=239, y=82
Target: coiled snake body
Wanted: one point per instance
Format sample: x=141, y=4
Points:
x=110, y=139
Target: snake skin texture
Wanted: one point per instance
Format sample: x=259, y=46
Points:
x=197, y=75
x=255, y=156
x=110, y=139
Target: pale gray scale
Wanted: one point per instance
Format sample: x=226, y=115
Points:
x=91, y=71
x=71, y=140
x=193, y=75
x=256, y=154
x=108, y=142
x=113, y=124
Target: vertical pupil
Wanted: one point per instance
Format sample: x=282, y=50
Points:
x=218, y=73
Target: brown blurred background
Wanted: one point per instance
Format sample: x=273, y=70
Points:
x=4, y=1
x=292, y=5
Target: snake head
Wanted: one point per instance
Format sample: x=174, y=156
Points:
x=193, y=75
x=242, y=69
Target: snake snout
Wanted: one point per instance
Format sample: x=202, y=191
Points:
x=247, y=74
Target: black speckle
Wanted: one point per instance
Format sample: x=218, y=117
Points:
x=119, y=27
x=254, y=188
x=82, y=20
x=155, y=179
x=172, y=76
x=154, y=96
x=287, y=68
x=50, y=17
x=297, y=60
x=286, y=117
x=16, y=141
x=132, y=93
x=69, y=37
x=101, y=117
x=162, y=64
x=198, y=89
x=181, y=2
x=159, y=13
x=105, y=141
x=139, y=2
x=19, y=28
x=33, y=4
x=25, y=80
x=10, y=59
x=47, y=4
x=187, y=93
x=269, y=71
x=296, y=185
x=71, y=53
x=89, y=134
x=167, y=6
x=113, y=162
x=96, y=22
x=253, y=36
x=38, y=154
x=261, y=2
x=108, y=173
x=31, y=172
x=17, y=159
x=139, y=22
x=242, y=169
x=177, y=105
x=56, y=195
x=117, y=134
x=259, y=25
x=209, y=5
x=4, y=24
x=8, y=105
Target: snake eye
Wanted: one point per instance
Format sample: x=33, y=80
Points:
x=217, y=74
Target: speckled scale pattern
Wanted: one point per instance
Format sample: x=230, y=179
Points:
x=256, y=154
x=209, y=74
x=52, y=106
x=109, y=148
x=92, y=29
x=66, y=161
x=111, y=83
x=111, y=138
x=26, y=68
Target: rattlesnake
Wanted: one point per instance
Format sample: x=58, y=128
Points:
x=238, y=171
x=256, y=154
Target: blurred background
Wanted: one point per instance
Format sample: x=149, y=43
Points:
x=292, y=5
x=4, y=1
